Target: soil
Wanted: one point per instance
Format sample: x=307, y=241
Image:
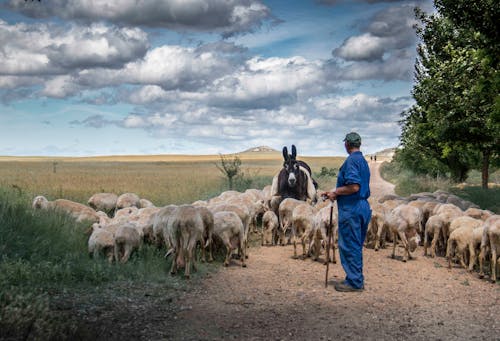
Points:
x=280, y=298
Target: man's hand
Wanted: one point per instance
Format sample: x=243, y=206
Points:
x=329, y=195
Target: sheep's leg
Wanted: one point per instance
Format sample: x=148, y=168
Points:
x=334, y=260
x=117, y=252
x=304, y=256
x=449, y=251
x=210, y=249
x=294, y=247
x=187, y=267
x=404, y=241
x=173, y=269
x=426, y=242
x=434, y=241
x=203, y=255
x=472, y=258
x=126, y=253
x=243, y=264
x=481, y=261
x=461, y=257
x=394, y=244
x=494, y=261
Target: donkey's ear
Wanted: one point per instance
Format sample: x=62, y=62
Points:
x=294, y=152
x=285, y=153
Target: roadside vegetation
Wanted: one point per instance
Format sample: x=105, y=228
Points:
x=409, y=182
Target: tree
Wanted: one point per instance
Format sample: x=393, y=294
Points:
x=230, y=167
x=454, y=124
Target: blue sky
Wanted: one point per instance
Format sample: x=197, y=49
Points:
x=83, y=78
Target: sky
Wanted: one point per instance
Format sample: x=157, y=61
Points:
x=138, y=77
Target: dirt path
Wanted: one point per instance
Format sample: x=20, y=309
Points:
x=280, y=298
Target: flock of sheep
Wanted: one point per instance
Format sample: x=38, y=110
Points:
x=121, y=224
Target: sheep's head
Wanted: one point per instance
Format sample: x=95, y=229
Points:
x=40, y=202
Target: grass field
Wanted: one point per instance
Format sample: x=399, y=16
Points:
x=163, y=179
x=43, y=255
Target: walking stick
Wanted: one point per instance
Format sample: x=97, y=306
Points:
x=329, y=243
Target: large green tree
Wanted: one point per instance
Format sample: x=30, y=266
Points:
x=454, y=124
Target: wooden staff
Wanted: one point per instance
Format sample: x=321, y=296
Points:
x=328, y=245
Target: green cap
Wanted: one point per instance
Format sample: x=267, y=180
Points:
x=353, y=138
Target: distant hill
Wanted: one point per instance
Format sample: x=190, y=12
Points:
x=260, y=149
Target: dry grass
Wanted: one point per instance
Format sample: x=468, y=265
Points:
x=163, y=179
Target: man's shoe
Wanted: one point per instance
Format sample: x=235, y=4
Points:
x=343, y=287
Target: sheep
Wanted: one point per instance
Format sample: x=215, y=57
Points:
x=255, y=208
x=494, y=237
x=269, y=227
x=143, y=203
x=184, y=229
x=143, y=220
x=127, y=240
x=105, y=202
x=302, y=226
x=321, y=225
x=125, y=213
x=460, y=239
x=200, y=203
x=208, y=229
x=101, y=241
x=241, y=212
x=434, y=228
x=76, y=210
x=475, y=244
x=255, y=193
x=229, y=228
x=478, y=213
x=266, y=193
x=486, y=246
x=160, y=221
x=405, y=221
x=285, y=210
x=127, y=200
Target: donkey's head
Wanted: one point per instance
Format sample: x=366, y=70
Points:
x=291, y=166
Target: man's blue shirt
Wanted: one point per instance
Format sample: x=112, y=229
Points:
x=355, y=170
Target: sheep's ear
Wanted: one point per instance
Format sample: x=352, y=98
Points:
x=285, y=153
x=294, y=152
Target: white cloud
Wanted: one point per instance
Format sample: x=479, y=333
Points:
x=226, y=16
x=363, y=47
x=41, y=49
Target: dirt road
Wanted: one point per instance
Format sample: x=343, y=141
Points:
x=280, y=298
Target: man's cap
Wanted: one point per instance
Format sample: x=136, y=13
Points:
x=353, y=137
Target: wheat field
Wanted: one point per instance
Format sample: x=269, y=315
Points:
x=163, y=179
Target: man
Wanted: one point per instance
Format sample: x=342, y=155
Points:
x=351, y=193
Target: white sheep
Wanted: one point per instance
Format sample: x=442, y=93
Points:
x=105, y=202
x=229, y=228
x=143, y=203
x=269, y=227
x=486, y=245
x=127, y=240
x=241, y=212
x=321, y=226
x=285, y=210
x=127, y=200
x=160, y=221
x=460, y=239
x=434, y=228
x=405, y=221
x=184, y=229
x=478, y=213
x=101, y=242
x=76, y=210
x=302, y=226
x=208, y=230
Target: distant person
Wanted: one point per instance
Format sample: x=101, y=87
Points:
x=375, y=158
x=351, y=193
x=371, y=158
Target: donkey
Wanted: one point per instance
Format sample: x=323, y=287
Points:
x=295, y=178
